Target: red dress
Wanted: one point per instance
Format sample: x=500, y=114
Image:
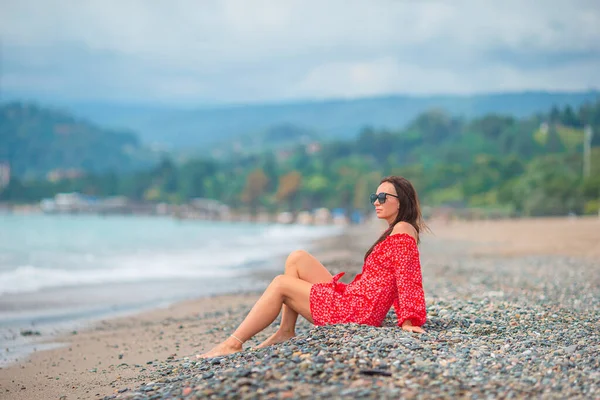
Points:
x=391, y=274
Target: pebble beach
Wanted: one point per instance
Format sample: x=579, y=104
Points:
x=508, y=317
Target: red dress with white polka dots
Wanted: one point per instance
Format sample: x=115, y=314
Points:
x=391, y=275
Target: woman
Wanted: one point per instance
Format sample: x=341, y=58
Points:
x=391, y=275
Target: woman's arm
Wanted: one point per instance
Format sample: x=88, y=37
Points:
x=410, y=307
x=410, y=303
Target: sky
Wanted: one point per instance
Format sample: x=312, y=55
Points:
x=238, y=51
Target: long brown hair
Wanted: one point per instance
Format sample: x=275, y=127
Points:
x=410, y=210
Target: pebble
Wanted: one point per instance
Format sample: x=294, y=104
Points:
x=538, y=339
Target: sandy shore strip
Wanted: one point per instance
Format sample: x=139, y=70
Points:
x=577, y=236
x=513, y=309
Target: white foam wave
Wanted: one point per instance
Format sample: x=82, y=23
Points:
x=30, y=279
x=217, y=257
x=291, y=233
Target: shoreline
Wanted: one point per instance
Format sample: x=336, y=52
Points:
x=51, y=310
x=199, y=312
x=46, y=331
x=482, y=258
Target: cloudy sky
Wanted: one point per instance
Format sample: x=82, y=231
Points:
x=232, y=51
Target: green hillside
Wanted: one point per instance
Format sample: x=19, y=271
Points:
x=36, y=141
x=498, y=164
x=201, y=128
x=274, y=138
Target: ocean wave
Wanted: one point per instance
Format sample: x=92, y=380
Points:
x=295, y=232
x=219, y=256
x=30, y=279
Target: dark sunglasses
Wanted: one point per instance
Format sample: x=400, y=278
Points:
x=381, y=197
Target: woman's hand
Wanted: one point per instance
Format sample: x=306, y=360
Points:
x=408, y=326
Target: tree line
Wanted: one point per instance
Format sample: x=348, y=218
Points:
x=524, y=166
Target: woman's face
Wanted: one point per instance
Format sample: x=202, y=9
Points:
x=389, y=209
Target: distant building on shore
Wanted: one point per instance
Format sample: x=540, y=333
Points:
x=57, y=175
x=204, y=209
x=4, y=175
x=313, y=148
x=75, y=203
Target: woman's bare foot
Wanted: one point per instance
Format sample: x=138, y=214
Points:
x=277, y=337
x=222, y=349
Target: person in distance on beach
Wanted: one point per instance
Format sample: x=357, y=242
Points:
x=391, y=275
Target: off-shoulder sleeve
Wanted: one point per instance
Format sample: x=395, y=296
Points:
x=410, y=303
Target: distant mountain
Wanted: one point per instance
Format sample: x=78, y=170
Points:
x=202, y=128
x=39, y=142
x=277, y=137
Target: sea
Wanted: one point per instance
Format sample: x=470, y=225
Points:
x=62, y=272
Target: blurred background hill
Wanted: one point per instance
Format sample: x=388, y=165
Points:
x=532, y=165
x=341, y=119
x=121, y=138
x=36, y=140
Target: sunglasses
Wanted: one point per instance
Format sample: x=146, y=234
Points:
x=381, y=197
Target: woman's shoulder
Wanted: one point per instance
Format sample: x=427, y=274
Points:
x=404, y=230
x=402, y=237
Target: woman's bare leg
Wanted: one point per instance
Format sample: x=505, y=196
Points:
x=301, y=265
x=292, y=292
